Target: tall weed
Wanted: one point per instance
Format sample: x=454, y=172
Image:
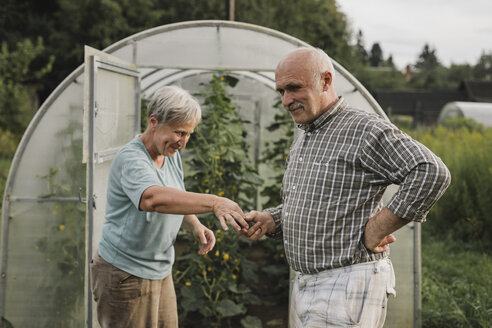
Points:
x=465, y=210
x=456, y=285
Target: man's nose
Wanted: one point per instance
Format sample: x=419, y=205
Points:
x=287, y=99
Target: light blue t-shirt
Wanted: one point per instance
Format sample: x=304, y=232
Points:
x=138, y=242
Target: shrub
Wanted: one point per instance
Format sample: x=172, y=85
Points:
x=465, y=209
x=455, y=289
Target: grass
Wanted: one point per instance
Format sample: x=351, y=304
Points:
x=456, y=284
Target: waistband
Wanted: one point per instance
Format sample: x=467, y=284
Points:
x=349, y=268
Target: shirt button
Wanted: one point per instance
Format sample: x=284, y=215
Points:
x=300, y=159
x=294, y=187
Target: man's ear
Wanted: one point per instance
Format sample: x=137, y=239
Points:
x=327, y=80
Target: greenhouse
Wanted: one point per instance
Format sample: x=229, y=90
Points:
x=57, y=178
x=478, y=111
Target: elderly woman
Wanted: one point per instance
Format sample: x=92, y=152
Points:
x=146, y=205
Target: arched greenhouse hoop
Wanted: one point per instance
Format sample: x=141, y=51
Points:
x=50, y=190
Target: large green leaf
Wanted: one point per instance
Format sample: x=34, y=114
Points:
x=238, y=289
x=192, y=298
x=251, y=322
x=228, y=308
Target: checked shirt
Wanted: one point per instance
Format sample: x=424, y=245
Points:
x=336, y=173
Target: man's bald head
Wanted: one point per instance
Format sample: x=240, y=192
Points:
x=304, y=79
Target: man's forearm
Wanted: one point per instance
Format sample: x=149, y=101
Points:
x=381, y=225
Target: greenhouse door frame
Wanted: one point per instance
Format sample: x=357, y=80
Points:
x=111, y=119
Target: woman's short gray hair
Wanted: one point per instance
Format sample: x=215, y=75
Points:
x=174, y=105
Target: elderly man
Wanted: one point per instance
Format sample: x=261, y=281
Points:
x=335, y=230
x=146, y=205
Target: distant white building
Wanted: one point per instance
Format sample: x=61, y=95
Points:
x=479, y=111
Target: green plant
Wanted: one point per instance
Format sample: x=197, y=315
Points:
x=461, y=122
x=64, y=247
x=276, y=153
x=213, y=290
x=456, y=272
x=4, y=171
x=273, y=264
x=455, y=289
x=464, y=210
x=16, y=105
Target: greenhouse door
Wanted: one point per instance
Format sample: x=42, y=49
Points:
x=111, y=119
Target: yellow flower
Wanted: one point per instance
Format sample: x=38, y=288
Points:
x=209, y=269
x=61, y=227
x=207, y=191
x=188, y=283
x=222, y=78
x=54, y=212
x=217, y=253
x=236, y=260
x=221, y=193
x=218, y=231
x=70, y=272
x=204, y=273
x=234, y=277
x=217, y=157
x=226, y=256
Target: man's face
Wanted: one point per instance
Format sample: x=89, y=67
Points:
x=300, y=92
x=169, y=138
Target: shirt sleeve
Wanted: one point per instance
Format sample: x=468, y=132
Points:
x=397, y=158
x=276, y=213
x=136, y=177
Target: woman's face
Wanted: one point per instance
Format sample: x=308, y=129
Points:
x=169, y=138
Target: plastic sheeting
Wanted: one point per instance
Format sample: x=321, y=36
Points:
x=42, y=284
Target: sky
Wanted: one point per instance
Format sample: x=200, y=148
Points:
x=460, y=31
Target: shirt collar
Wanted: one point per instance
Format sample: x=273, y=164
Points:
x=325, y=117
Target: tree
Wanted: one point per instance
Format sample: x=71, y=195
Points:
x=389, y=62
x=67, y=25
x=427, y=59
x=360, y=47
x=483, y=69
x=16, y=73
x=430, y=73
x=318, y=22
x=376, y=55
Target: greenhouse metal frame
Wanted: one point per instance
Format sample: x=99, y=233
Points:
x=47, y=200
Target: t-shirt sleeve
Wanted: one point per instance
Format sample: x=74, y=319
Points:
x=136, y=177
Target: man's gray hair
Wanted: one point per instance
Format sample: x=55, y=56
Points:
x=174, y=105
x=322, y=63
